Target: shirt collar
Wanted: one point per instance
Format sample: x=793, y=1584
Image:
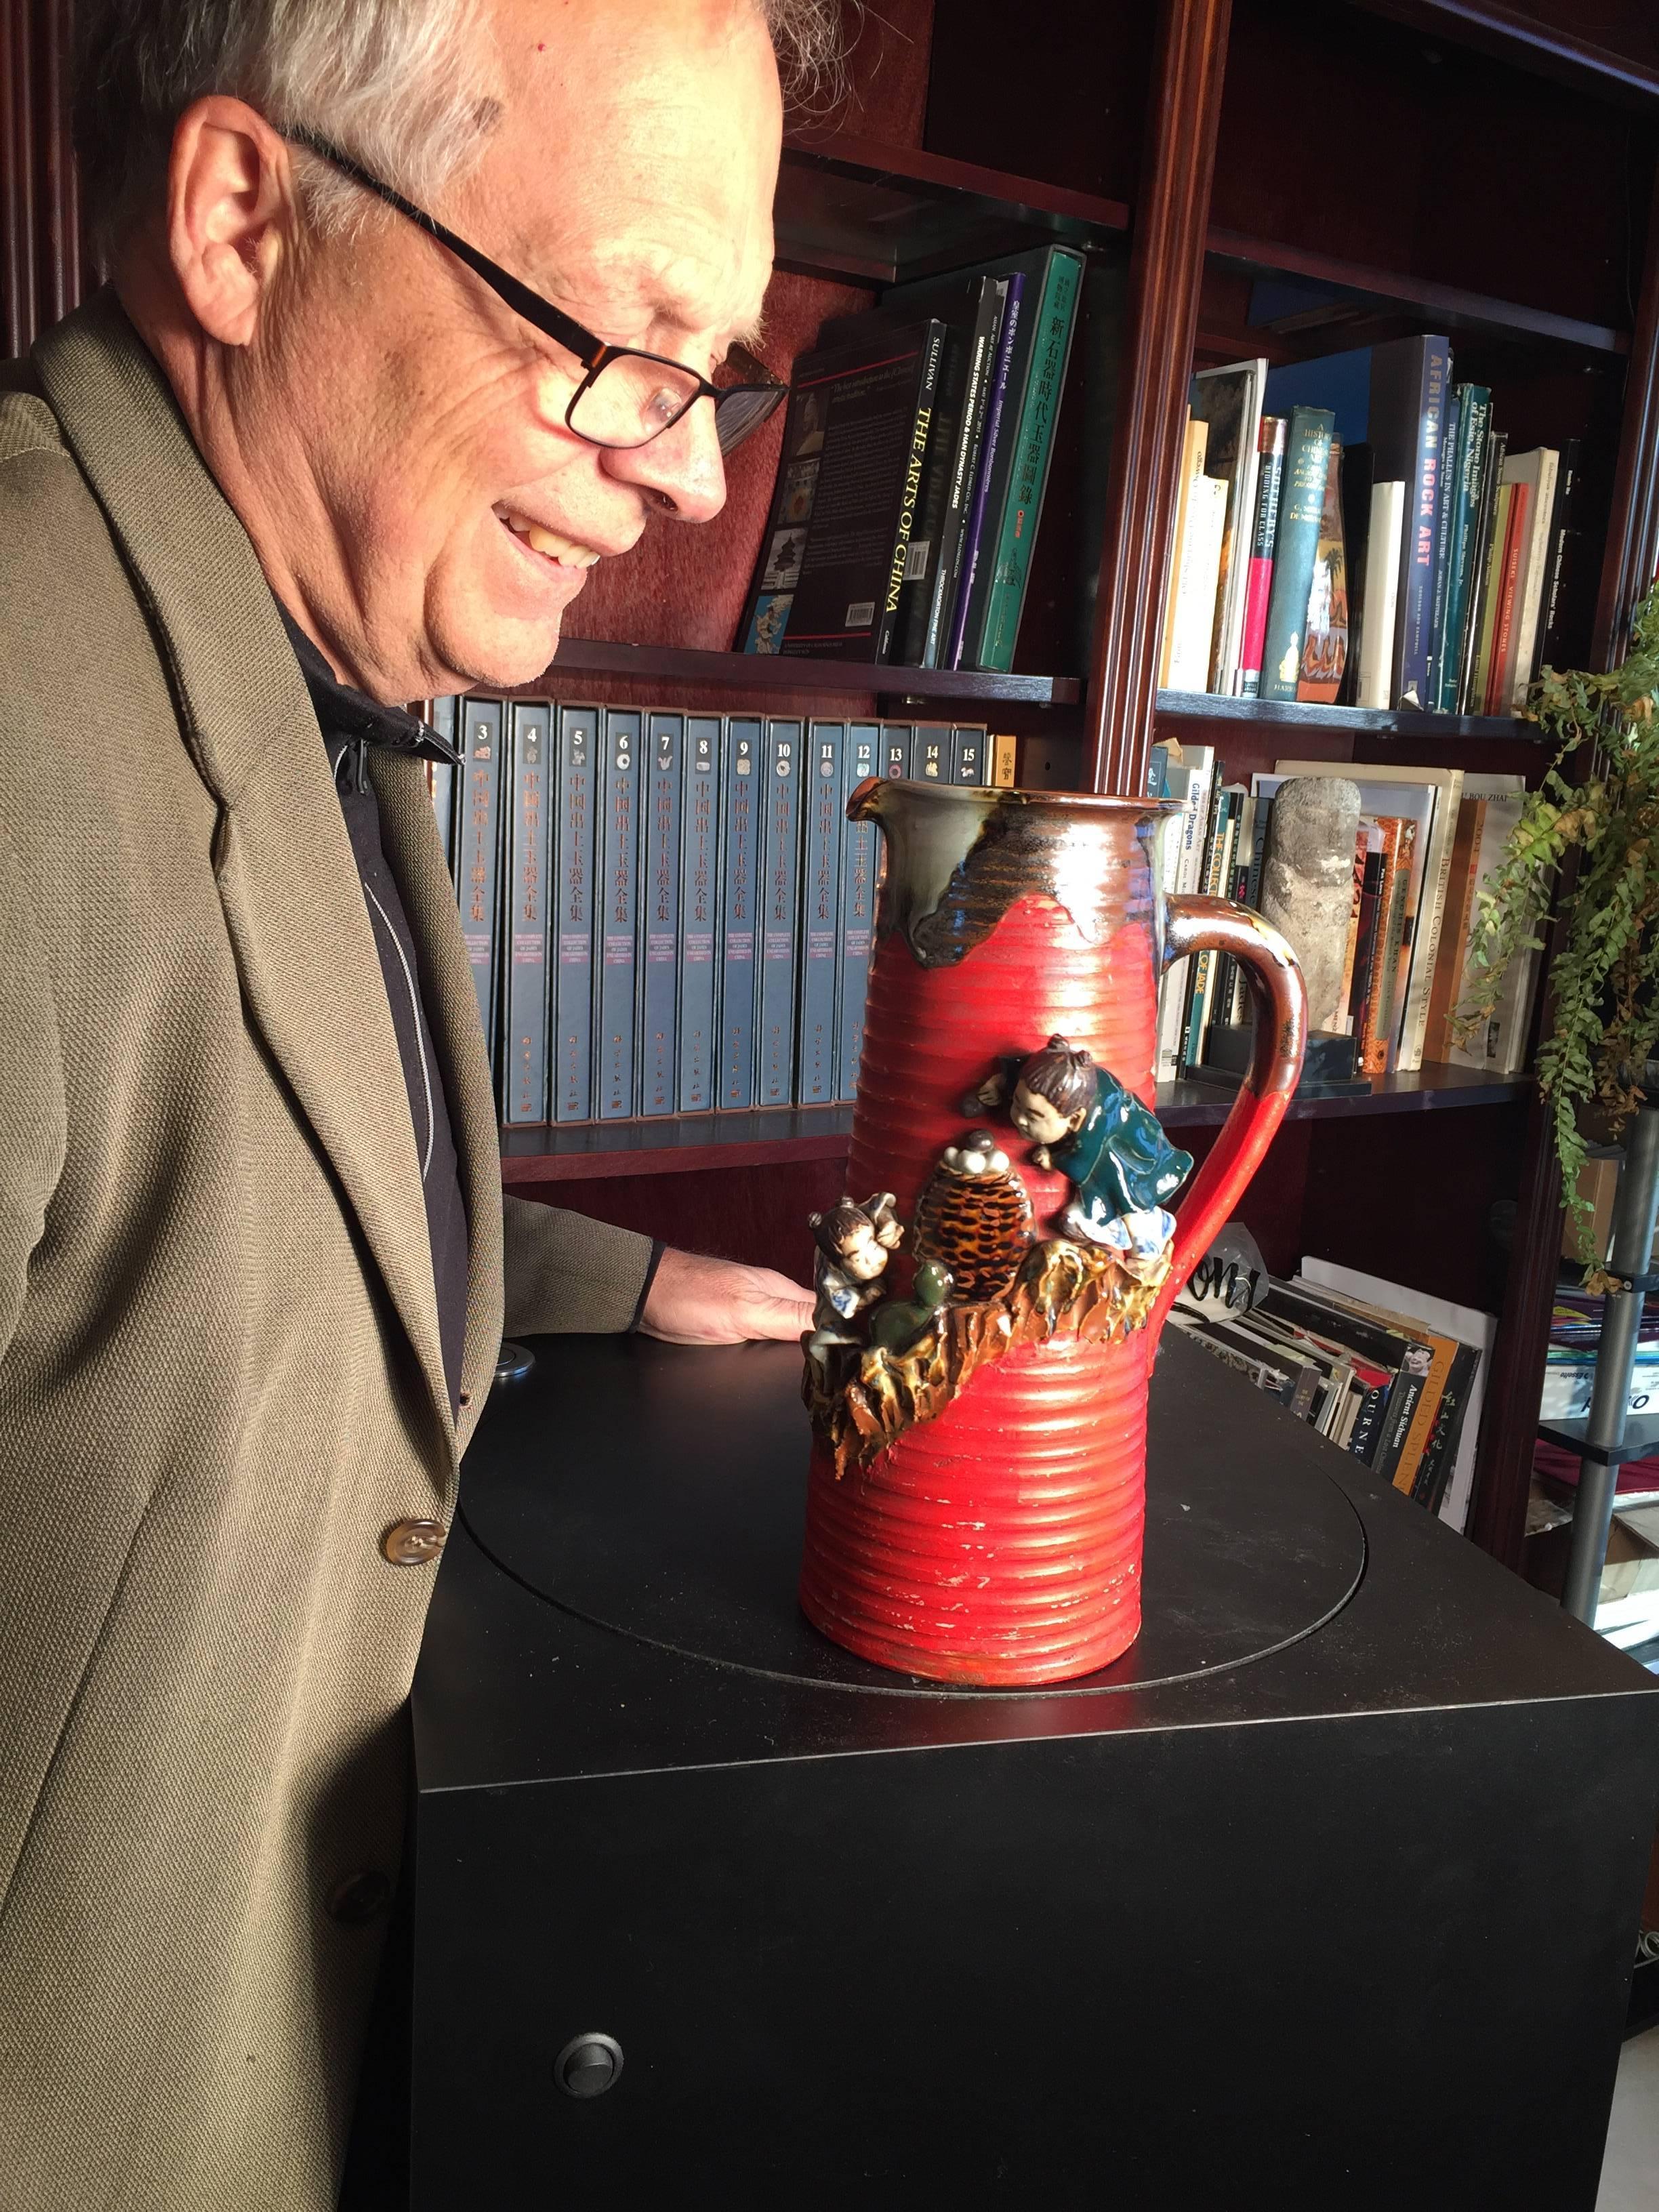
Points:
x=344, y=713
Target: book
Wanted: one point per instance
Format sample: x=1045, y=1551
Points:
x=524, y=936
x=1462, y=883
x=980, y=375
x=619, y=914
x=998, y=429
x=930, y=754
x=658, y=954
x=1356, y=486
x=477, y=857
x=1383, y=548
x=1408, y=386
x=1325, y=641
x=1543, y=469
x=1270, y=471
x=1301, y=511
x=575, y=804
x=779, y=873
x=1565, y=537
x=859, y=860
x=898, y=743
x=695, y=1018
x=1193, y=617
x=1191, y=780
x=742, y=792
x=1444, y=500
x=832, y=558
x=1475, y=611
x=1491, y=592
x=442, y=777
x=1500, y=1046
x=967, y=763
x=1467, y=490
x=1195, y=441
x=1228, y=400
x=1016, y=504
x=822, y=800
x=1217, y=876
x=1500, y=663
x=1004, y=760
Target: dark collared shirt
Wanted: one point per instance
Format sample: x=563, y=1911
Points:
x=350, y=723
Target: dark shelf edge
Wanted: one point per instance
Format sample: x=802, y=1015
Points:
x=754, y=672
x=586, y=1152
x=1372, y=721
x=1449, y=302
x=1527, y=43
x=778, y=1135
x=1084, y=215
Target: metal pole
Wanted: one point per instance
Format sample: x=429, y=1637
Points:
x=1615, y=1363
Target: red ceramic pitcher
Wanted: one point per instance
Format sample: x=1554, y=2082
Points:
x=998, y=1541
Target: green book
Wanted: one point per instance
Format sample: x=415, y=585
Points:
x=1016, y=520
x=1301, y=506
x=1467, y=488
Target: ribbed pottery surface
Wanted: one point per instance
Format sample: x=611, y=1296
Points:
x=1001, y=1543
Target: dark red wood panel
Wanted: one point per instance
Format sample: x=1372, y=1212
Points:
x=756, y=1214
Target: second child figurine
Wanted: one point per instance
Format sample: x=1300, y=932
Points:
x=854, y=1245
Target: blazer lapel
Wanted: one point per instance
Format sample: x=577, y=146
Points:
x=293, y=902
x=409, y=833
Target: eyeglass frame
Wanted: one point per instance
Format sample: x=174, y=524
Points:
x=594, y=352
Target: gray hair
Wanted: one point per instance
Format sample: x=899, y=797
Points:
x=408, y=86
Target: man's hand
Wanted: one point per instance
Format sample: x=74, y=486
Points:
x=695, y=1300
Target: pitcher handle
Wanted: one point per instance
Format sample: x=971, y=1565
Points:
x=1280, y=1000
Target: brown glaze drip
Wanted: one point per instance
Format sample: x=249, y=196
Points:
x=961, y=857
x=861, y=1401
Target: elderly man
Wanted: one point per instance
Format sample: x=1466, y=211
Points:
x=311, y=456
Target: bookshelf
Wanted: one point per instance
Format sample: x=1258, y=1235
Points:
x=1487, y=167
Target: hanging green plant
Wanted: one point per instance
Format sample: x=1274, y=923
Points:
x=1605, y=1013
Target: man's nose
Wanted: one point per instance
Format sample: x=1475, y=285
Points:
x=683, y=467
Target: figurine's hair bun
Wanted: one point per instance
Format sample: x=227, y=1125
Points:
x=831, y=1231
x=1065, y=1077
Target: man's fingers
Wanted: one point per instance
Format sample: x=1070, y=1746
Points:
x=779, y=1316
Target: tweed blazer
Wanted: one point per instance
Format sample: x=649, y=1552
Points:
x=219, y=1373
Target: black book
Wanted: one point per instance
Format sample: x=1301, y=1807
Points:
x=833, y=560
x=1357, y=480
x=1564, y=535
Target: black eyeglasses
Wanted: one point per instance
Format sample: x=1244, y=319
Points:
x=627, y=398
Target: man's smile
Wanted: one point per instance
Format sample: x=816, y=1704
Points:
x=551, y=544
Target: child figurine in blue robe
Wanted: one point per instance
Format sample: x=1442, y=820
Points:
x=1082, y=1121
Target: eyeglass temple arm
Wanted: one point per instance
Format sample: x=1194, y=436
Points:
x=535, y=311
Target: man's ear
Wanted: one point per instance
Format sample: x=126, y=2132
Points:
x=231, y=214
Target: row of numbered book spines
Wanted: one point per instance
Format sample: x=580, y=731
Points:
x=1428, y=568
x=669, y=913
x=1392, y=1392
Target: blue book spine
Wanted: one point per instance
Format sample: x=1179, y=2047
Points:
x=967, y=755
x=742, y=810
x=822, y=800
x=619, y=897
x=859, y=855
x=659, y=915
x=930, y=755
x=774, y=1020
x=576, y=790
x=441, y=781
x=524, y=938
x=897, y=742
x=477, y=849
x=700, y=825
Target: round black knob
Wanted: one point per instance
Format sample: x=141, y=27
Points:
x=589, y=2065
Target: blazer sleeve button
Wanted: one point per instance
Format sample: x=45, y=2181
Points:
x=413, y=1543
